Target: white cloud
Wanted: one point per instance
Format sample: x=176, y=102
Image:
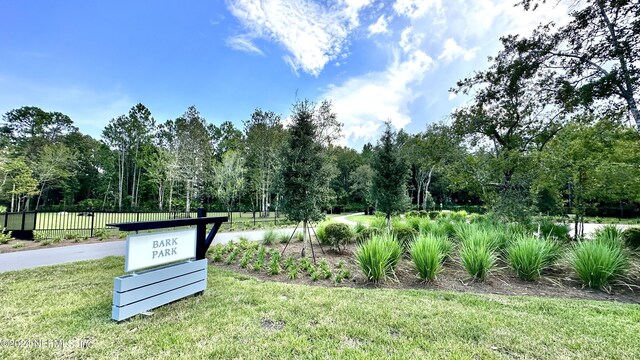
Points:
x=379, y=27
x=453, y=51
x=363, y=103
x=415, y=9
x=243, y=43
x=452, y=96
x=409, y=40
x=312, y=33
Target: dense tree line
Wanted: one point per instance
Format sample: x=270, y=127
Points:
x=551, y=127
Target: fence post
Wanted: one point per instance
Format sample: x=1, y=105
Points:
x=138, y=216
x=254, y=218
x=231, y=219
x=93, y=219
x=201, y=235
x=6, y=218
x=24, y=216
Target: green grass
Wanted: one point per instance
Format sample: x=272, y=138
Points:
x=241, y=317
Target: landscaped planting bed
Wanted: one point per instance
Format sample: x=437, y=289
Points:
x=453, y=255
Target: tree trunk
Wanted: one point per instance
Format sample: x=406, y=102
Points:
x=304, y=237
x=120, y=180
x=188, y=205
x=40, y=194
x=13, y=198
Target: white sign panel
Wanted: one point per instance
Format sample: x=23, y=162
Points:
x=147, y=250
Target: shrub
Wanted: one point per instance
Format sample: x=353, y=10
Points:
x=549, y=229
x=342, y=272
x=45, y=242
x=246, y=258
x=477, y=258
x=18, y=245
x=270, y=236
x=292, y=272
x=378, y=257
x=365, y=235
x=274, y=264
x=631, y=237
x=597, y=263
x=434, y=215
x=405, y=235
x=427, y=256
x=232, y=256
x=258, y=265
x=438, y=228
x=5, y=236
x=359, y=228
x=289, y=262
x=299, y=236
x=379, y=222
x=529, y=256
x=337, y=235
x=609, y=235
x=324, y=270
x=414, y=223
x=283, y=237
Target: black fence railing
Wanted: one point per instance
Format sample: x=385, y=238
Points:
x=50, y=224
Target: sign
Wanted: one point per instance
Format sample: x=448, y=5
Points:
x=147, y=250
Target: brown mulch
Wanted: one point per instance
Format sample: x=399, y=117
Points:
x=557, y=283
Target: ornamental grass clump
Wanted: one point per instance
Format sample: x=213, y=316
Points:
x=477, y=253
x=598, y=263
x=426, y=253
x=270, y=236
x=609, y=235
x=378, y=257
x=528, y=256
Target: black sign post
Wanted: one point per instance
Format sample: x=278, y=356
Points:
x=203, y=241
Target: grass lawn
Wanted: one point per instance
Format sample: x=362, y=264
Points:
x=239, y=316
x=363, y=219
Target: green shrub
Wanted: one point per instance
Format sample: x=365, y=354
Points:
x=5, y=236
x=416, y=214
x=299, y=236
x=292, y=272
x=46, y=242
x=438, y=228
x=283, y=237
x=270, y=237
x=324, y=270
x=274, y=263
x=321, y=234
x=378, y=257
x=609, y=235
x=379, y=222
x=434, y=215
x=631, y=237
x=365, y=235
x=288, y=262
x=342, y=272
x=337, y=235
x=549, y=229
x=405, y=235
x=597, y=263
x=18, y=245
x=414, y=223
x=258, y=265
x=528, y=256
x=477, y=257
x=427, y=256
x=246, y=258
x=232, y=256
x=359, y=228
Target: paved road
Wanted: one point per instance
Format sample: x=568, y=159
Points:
x=343, y=219
x=65, y=254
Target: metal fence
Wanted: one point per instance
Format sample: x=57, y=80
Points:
x=48, y=224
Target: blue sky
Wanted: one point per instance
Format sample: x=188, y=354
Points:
x=376, y=60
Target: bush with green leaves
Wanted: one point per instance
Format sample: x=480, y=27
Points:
x=274, y=263
x=438, y=228
x=609, y=235
x=414, y=223
x=5, y=236
x=379, y=222
x=292, y=272
x=341, y=273
x=405, y=235
x=18, y=245
x=232, y=255
x=631, y=237
x=416, y=214
x=476, y=255
x=288, y=262
x=378, y=257
x=246, y=258
x=434, y=215
x=270, y=236
x=598, y=263
x=258, y=265
x=528, y=256
x=337, y=235
x=366, y=234
x=324, y=270
x=426, y=253
x=550, y=229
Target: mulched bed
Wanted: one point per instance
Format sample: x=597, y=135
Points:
x=559, y=282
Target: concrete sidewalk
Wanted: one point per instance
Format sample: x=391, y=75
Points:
x=65, y=254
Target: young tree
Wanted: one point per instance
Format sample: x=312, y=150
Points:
x=361, y=184
x=194, y=152
x=390, y=174
x=21, y=183
x=303, y=183
x=224, y=138
x=264, y=136
x=229, y=178
x=56, y=163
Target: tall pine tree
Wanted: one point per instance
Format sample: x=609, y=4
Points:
x=390, y=175
x=301, y=173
